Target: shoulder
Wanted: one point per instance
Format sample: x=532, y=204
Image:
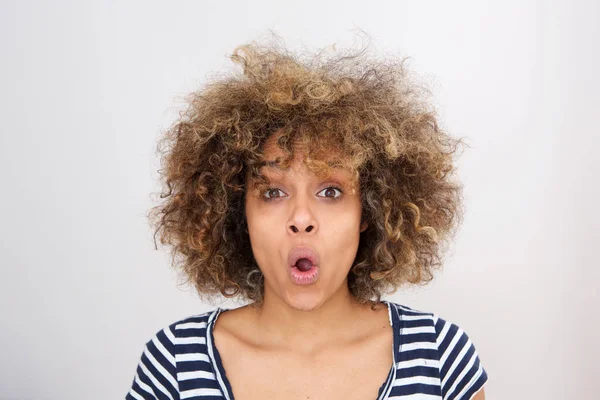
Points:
x=461, y=372
x=413, y=321
x=157, y=372
x=445, y=331
x=185, y=331
x=182, y=336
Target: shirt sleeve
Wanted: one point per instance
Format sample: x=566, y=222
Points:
x=461, y=372
x=156, y=373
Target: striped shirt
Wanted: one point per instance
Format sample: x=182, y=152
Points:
x=433, y=359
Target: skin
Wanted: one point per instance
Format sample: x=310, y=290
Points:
x=305, y=341
x=307, y=316
x=304, y=210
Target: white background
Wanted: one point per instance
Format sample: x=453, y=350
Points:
x=86, y=88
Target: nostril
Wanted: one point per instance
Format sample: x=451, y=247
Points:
x=294, y=229
x=310, y=228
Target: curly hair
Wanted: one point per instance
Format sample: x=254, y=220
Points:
x=367, y=111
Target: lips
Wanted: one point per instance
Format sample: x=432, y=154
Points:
x=303, y=252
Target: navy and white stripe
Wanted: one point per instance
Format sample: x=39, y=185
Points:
x=433, y=359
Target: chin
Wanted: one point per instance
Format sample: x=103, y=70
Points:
x=304, y=301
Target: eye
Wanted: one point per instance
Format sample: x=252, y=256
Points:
x=330, y=192
x=272, y=193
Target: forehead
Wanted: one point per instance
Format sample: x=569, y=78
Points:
x=273, y=169
x=320, y=157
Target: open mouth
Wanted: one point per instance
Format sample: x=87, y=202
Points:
x=304, y=266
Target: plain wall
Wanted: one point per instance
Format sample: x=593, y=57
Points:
x=88, y=87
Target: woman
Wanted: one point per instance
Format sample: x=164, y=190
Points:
x=310, y=189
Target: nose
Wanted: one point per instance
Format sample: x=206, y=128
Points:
x=295, y=229
x=302, y=220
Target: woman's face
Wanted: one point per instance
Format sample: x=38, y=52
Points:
x=299, y=214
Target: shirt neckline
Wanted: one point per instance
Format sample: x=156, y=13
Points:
x=225, y=385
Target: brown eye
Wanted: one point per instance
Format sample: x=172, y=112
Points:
x=272, y=193
x=330, y=192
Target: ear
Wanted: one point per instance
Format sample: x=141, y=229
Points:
x=363, y=226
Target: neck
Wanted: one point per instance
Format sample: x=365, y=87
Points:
x=279, y=325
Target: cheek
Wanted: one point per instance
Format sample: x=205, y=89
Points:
x=263, y=231
x=341, y=232
x=259, y=223
x=343, y=220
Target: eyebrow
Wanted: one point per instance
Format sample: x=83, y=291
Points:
x=272, y=164
x=275, y=165
x=337, y=175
